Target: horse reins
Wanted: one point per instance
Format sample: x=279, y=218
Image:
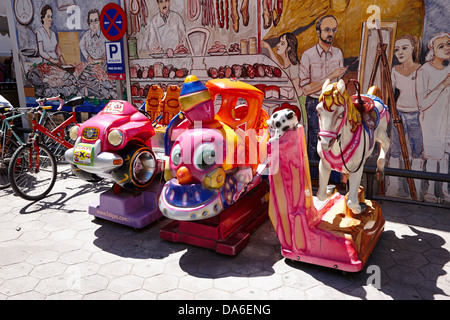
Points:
x=361, y=101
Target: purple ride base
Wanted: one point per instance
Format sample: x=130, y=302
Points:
x=134, y=209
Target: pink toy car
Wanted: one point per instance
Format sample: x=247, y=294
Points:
x=114, y=144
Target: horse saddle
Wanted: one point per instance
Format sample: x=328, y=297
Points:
x=369, y=114
x=366, y=107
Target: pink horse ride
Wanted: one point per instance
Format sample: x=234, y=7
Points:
x=324, y=233
x=349, y=125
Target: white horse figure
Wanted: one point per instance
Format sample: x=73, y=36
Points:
x=347, y=135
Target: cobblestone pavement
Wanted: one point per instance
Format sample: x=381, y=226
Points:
x=53, y=249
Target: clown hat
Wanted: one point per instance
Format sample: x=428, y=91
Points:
x=195, y=100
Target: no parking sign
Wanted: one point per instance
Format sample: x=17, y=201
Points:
x=113, y=22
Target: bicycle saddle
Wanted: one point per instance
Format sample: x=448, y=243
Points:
x=75, y=101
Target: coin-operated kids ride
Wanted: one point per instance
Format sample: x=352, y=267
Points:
x=214, y=191
x=116, y=144
x=325, y=230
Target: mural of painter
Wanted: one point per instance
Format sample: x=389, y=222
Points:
x=62, y=49
x=419, y=76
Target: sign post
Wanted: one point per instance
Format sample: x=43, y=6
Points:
x=113, y=23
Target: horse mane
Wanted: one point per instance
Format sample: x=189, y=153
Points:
x=331, y=96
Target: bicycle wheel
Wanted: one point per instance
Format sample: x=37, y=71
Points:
x=7, y=148
x=31, y=172
x=53, y=120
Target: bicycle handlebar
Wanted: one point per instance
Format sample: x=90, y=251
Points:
x=42, y=101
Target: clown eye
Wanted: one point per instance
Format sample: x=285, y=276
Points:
x=205, y=157
x=175, y=155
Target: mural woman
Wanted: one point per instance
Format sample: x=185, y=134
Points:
x=433, y=95
x=47, y=43
x=406, y=50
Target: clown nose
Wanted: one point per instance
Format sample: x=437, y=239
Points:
x=183, y=175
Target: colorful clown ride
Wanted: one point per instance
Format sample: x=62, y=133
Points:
x=214, y=162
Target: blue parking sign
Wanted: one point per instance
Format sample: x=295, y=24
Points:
x=114, y=60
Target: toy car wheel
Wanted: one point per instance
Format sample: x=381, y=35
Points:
x=90, y=177
x=138, y=169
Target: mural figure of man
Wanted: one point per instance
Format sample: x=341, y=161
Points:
x=318, y=63
x=167, y=29
x=92, y=43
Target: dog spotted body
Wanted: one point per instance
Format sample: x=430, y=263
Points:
x=280, y=122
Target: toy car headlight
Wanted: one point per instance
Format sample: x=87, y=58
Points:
x=115, y=137
x=73, y=133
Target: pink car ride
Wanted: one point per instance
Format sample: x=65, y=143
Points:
x=115, y=144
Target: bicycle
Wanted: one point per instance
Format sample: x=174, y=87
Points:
x=9, y=140
x=59, y=124
x=33, y=166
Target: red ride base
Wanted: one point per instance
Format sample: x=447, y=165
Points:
x=229, y=232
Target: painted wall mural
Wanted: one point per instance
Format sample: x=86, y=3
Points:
x=62, y=49
x=285, y=48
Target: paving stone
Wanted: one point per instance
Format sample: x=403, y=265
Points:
x=266, y=281
x=102, y=295
x=125, y=284
x=194, y=284
x=16, y=286
x=12, y=254
x=16, y=270
x=176, y=294
x=53, y=249
x=161, y=283
x=74, y=257
x=90, y=284
x=231, y=283
x=323, y=292
x=213, y=294
x=47, y=270
x=115, y=269
x=250, y=293
x=139, y=295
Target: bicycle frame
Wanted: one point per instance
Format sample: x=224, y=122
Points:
x=54, y=134
x=6, y=126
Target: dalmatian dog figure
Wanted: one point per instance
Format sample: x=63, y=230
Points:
x=280, y=122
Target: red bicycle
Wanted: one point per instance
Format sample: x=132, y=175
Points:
x=33, y=167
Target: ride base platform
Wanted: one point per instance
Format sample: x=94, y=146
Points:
x=130, y=208
x=229, y=232
x=341, y=240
